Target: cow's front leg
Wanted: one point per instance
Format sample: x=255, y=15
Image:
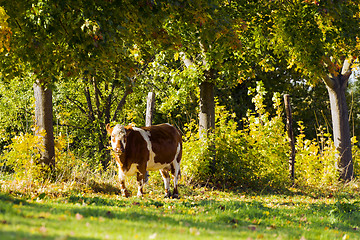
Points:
x=140, y=180
x=166, y=177
x=124, y=191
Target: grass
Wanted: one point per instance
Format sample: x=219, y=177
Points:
x=64, y=213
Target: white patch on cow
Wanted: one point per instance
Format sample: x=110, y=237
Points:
x=141, y=184
x=118, y=134
x=177, y=152
x=151, y=165
x=121, y=172
x=166, y=179
x=133, y=170
x=167, y=183
x=176, y=165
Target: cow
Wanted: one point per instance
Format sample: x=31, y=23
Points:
x=137, y=150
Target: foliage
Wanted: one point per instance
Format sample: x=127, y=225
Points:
x=196, y=158
x=82, y=109
x=175, y=88
x=313, y=36
x=5, y=31
x=354, y=104
x=16, y=108
x=254, y=157
x=356, y=156
x=23, y=155
x=315, y=160
x=267, y=139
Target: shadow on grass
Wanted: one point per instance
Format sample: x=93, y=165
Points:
x=226, y=217
x=8, y=235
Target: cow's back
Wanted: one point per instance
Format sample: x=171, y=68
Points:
x=166, y=142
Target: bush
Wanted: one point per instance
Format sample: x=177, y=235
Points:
x=315, y=160
x=23, y=154
x=22, y=157
x=269, y=152
x=255, y=157
x=356, y=156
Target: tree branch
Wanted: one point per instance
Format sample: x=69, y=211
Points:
x=346, y=71
x=63, y=27
x=77, y=104
x=108, y=104
x=121, y=103
x=69, y=125
x=328, y=78
x=17, y=23
x=89, y=104
x=329, y=81
x=346, y=66
x=97, y=97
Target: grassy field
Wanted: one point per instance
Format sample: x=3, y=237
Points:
x=200, y=214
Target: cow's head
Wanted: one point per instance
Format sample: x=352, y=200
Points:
x=118, y=137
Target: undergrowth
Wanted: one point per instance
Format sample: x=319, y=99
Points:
x=252, y=159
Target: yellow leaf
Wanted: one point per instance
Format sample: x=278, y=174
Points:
x=176, y=56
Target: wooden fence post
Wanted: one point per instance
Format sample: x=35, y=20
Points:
x=149, y=108
x=150, y=102
x=291, y=137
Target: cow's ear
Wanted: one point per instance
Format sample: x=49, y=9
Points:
x=108, y=128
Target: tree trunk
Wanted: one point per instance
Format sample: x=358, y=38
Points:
x=290, y=137
x=44, y=122
x=207, y=109
x=149, y=108
x=207, y=119
x=341, y=129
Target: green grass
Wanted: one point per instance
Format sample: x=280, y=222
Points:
x=200, y=214
x=63, y=211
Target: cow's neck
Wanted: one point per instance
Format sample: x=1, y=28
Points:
x=121, y=160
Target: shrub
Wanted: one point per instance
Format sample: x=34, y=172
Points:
x=315, y=160
x=196, y=156
x=22, y=157
x=255, y=157
x=268, y=154
x=23, y=154
x=356, y=156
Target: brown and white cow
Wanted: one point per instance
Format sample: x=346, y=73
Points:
x=137, y=150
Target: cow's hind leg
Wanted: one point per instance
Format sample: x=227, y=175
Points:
x=166, y=177
x=175, y=171
x=141, y=181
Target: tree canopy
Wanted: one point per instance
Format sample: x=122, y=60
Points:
x=95, y=54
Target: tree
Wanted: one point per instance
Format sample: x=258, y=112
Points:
x=68, y=40
x=207, y=40
x=319, y=39
x=82, y=108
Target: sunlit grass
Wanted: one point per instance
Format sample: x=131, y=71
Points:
x=61, y=211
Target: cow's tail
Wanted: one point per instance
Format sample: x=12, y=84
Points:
x=179, y=159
